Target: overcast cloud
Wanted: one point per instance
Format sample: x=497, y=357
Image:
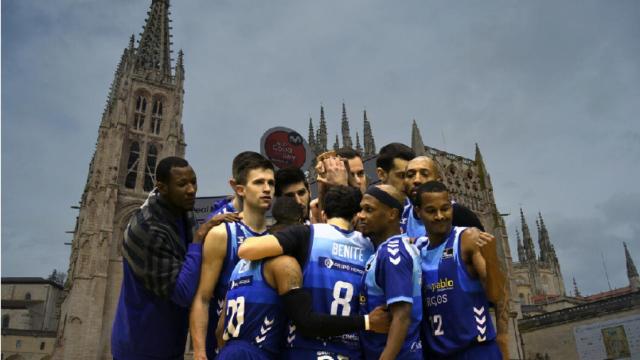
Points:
x=550, y=90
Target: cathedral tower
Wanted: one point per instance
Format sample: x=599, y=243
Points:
x=632, y=272
x=141, y=124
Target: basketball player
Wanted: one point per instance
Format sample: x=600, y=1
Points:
x=392, y=277
x=255, y=188
x=457, y=323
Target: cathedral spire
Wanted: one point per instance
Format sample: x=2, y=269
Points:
x=336, y=145
x=154, y=47
x=522, y=256
x=416, y=140
x=576, y=291
x=632, y=272
x=346, y=136
x=482, y=170
x=312, y=138
x=321, y=137
x=358, y=146
x=369, y=143
x=529, y=248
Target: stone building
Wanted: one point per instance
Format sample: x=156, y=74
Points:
x=141, y=123
x=537, y=278
x=30, y=314
x=604, y=325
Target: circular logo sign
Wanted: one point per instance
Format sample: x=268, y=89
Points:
x=286, y=148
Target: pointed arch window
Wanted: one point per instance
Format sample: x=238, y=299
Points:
x=132, y=166
x=149, y=178
x=141, y=109
x=156, y=116
x=27, y=296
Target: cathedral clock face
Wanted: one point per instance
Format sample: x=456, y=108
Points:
x=286, y=148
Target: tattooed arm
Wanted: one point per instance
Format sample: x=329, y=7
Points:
x=285, y=275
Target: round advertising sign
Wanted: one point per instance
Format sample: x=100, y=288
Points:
x=286, y=148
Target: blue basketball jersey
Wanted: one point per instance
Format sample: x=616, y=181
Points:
x=332, y=274
x=236, y=233
x=222, y=206
x=393, y=275
x=455, y=307
x=410, y=223
x=254, y=313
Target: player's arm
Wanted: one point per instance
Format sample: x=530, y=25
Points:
x=287, y=279
x=481, y=260
x=395, y=277
x=260, y=247
x=214, y=251
x=400, y=321
x=220, y=326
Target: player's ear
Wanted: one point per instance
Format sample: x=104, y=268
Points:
x=323, y=216
x=382, y=175
x=238, y=189
x=232, y=184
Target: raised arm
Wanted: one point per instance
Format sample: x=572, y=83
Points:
x=259, y=247
x=214, y=251
x=286, y=276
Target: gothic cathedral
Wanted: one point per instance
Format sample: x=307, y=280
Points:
x=141, y=123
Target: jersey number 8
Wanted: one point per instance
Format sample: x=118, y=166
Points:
x=340, y=299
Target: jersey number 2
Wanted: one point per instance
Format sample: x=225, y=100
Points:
x=340, y=299
x=436, y=325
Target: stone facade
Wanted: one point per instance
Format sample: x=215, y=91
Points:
x=141, y=123
x=552, y=335
x=30, y=314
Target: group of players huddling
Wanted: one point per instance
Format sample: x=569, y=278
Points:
x=389, y=271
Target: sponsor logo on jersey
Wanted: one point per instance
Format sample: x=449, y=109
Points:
x=340, y=265
x=442, y=285
x=447, y=253
x=243, y=281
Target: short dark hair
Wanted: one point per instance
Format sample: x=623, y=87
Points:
x=342, y=202
x=393, y=151
x=247, y=161
x=163, y=170
x=428, y=187
x=287, y=211
x=287, y=176
x=347, y=153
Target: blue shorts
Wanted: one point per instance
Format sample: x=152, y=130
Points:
x=295, y=354
x=478, y=351
x=238, y=349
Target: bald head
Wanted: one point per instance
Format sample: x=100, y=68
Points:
x=420, y=170
x=391, y=190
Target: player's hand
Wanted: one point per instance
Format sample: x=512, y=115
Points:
x=214, y=221
x=199, y=355
x=333, y=172
x=315, y=214
x=380, y=320
x=484, y=238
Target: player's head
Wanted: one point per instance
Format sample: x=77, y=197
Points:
x=176, y=182
x=286, y=211
x=381, y=211
x=420, y=170
x=392, y=163
x=291, y=182
x=254, y=180
x=342, y=202
x=434, y=207
x=356, y=166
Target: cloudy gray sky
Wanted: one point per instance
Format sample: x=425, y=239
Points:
x=550, y=90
